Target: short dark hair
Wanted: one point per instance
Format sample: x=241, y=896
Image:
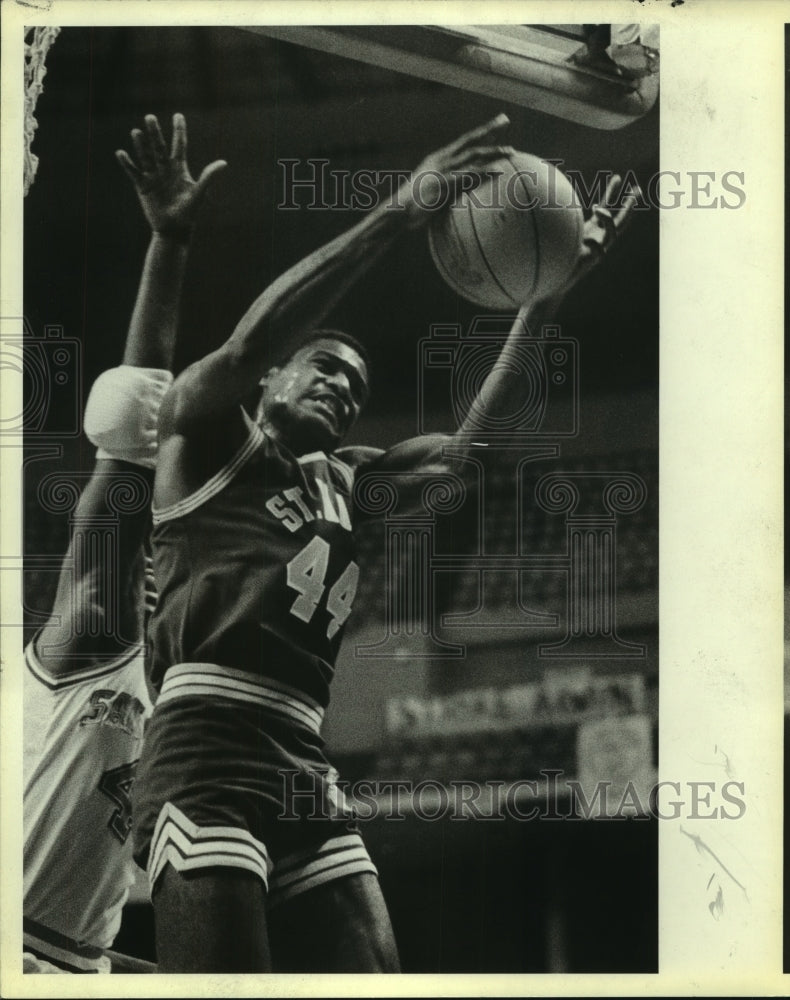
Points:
x=326, y=334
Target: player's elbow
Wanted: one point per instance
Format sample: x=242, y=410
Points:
x=243, y=357
x=222, y=380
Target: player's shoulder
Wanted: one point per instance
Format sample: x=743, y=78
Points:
x=187, y=462
x=225, y=431
x=46, y=663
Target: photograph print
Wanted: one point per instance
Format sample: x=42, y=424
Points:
x=340, y=482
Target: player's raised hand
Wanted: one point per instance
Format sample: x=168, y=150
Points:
x=460, y=166
x=605, y=225
x=168, y=193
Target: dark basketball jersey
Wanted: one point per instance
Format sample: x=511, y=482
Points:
x=256, y=569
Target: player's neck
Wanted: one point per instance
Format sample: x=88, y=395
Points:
x=290, y=438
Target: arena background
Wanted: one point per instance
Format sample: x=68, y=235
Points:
x=468, y=896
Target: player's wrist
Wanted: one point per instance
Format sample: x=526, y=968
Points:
x=428, y=191
x=413, y=214
x=170, y=234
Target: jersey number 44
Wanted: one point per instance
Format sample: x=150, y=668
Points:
x=306, y=574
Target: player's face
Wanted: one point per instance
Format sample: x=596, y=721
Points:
x=315, y=399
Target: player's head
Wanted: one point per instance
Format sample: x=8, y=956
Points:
x=312, y=398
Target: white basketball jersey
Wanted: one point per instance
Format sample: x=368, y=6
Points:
x=82, y=738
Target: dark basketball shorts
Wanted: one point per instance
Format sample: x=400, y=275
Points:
x=233, y=774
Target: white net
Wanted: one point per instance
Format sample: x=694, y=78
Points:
x=37, y=44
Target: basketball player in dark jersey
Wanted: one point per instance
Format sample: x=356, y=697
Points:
x=254, y=561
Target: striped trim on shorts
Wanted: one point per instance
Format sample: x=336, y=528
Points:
x=336, y=858
x=48, y=946
x=210, y=679
x=187, y=846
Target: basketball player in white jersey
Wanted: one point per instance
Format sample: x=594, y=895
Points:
x=86, y=698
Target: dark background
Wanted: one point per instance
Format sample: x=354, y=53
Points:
x=485, y=898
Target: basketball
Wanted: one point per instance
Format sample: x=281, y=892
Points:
x=513, y=240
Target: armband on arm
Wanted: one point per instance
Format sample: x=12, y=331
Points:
x=122, y=412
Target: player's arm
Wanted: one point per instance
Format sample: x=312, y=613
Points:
x=503, y=389
x=301, y=298
x=97, y=611
x=170, y=199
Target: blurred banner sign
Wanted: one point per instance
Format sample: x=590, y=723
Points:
x=559, y=698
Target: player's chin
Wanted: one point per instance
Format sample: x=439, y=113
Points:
x=322, y=431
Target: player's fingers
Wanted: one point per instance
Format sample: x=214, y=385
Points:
x=626, y=211
x=178, y=149
x=156, y=140
x=483, y=156
x=128, y=166
x=594, y=244
x=465, y=178
x=207, y=174
x=142, y=149
x=486, y=132
x=605, y=223
x=611, y=188
x=480, y=167
x=599, y=234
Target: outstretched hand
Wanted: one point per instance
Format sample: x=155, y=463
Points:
x=599, y=234
x=460, y=166
x=603, y=228
x=168, y=193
